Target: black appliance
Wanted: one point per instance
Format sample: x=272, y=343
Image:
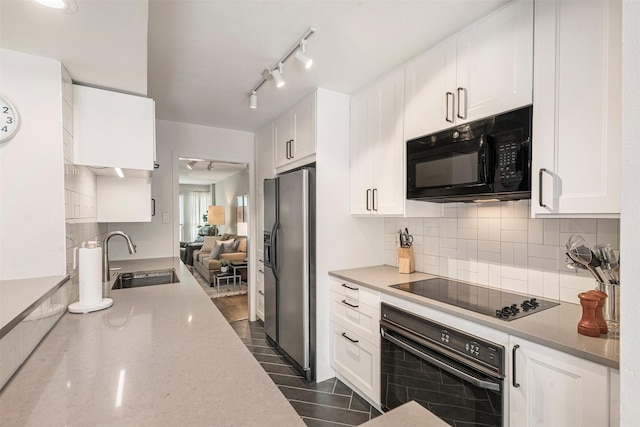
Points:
x=488, y=159
x=457, y=376
x=492, y=302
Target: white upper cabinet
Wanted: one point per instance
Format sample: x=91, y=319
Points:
x=112, y=129
x=377, y=149
x=485, y=70
x=294, y=134
x=576, y=113
x=264, y=156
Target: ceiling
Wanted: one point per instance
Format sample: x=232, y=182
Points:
x=200, y=175
x=202, y=58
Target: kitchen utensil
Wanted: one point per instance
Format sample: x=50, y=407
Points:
x=406, y=239
x=579, y=252
x=586, y=265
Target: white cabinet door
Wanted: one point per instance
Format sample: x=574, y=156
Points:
x=356, y=360
x=283, y=134
x=576, y=126
x=556, y=389
x=495, y=63
x=377, y=148
x=361, y=160
x=304, y=137
x=112, y=129
x=386, y=133
x=123, y=199
x=430, y=83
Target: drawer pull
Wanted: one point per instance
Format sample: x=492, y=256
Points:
x=349, y=287
x=352, y=340
x=261, y=292
x=350, y=305
x=260, y=271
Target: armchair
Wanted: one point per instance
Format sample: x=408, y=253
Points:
x=187, y=248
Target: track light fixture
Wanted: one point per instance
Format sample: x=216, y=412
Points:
x=275, y=72
x=302, y=57
x=277, y=75
x=191, y=164
x=210, y=166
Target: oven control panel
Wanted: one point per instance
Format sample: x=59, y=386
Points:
x=470, y=346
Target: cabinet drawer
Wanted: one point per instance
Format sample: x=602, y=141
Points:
x=362, y=318
x=356, y=293
x=357, y=360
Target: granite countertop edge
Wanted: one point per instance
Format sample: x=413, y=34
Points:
x=538, y=329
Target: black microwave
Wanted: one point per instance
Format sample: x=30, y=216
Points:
x=487, y=159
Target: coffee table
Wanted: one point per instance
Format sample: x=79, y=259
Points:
x=227, y=278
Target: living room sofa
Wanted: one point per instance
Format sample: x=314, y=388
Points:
x=187, y=248
x=207, y=266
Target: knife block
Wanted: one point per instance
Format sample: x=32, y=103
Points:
x=406, y=263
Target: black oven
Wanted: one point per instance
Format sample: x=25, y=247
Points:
x=480, y=160
x=457, y=376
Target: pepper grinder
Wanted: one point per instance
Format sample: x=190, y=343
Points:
x=602, y=324
x=588, y=325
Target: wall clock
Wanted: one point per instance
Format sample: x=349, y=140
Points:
x=9, y=120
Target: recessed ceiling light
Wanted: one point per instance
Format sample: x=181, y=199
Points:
x=67, y=6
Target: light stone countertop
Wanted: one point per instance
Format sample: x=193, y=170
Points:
x=19, y=297
x=161, y=355
x=411, y=414
x=556, y=328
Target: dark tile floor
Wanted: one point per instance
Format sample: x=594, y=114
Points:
x=327, y=404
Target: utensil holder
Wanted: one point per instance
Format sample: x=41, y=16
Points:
x=611, y=307
x=406, y=263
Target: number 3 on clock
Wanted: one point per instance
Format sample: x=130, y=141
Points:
x=9, y=119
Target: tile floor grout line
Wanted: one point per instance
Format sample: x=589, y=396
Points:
x=327, y=406
x=321, y=420
x=315, y=391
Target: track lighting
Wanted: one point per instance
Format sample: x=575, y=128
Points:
x=275, y=73
x=210, y=166
x=302, y=57
x=191, y=164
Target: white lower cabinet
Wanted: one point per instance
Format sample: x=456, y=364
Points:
x=551, y=388
x=356, y=360
x=355, y=337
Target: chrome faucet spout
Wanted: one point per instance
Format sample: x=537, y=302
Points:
x=105, y=251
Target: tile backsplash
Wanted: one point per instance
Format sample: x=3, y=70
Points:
x=498, y=245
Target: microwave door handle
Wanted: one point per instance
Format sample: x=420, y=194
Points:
x=487, y=385
x=447, y=96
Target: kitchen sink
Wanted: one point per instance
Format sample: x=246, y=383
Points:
x=145, y=278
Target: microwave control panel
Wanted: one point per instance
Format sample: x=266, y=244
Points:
x=509, y=166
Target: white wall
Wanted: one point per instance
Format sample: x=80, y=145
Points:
x=226, y=195
x=174, y=140
x=32, y=211
x=629, y=225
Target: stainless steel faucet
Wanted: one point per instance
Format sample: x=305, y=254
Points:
x=105, y=252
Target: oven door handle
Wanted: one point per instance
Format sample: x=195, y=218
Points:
x=487, y=385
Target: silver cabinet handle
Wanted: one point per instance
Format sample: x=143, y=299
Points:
x=462, y=91
x=344, y=301
x=368, y=192
x=349, y=287
x=350, y=339
x=447, y=96
x=291, y=149
x=513, y=365
x=540, y=173
x=374, y=200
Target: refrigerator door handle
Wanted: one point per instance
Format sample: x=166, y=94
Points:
x=274, y=250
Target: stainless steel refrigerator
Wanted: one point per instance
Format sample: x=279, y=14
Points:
x=289, y=261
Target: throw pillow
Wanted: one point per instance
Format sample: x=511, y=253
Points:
x=216, y=251
x=230, y=247
x=209, y=241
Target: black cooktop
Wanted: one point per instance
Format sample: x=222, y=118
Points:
x=492, y=302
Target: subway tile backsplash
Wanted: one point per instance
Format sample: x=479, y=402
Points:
x=498, y=245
